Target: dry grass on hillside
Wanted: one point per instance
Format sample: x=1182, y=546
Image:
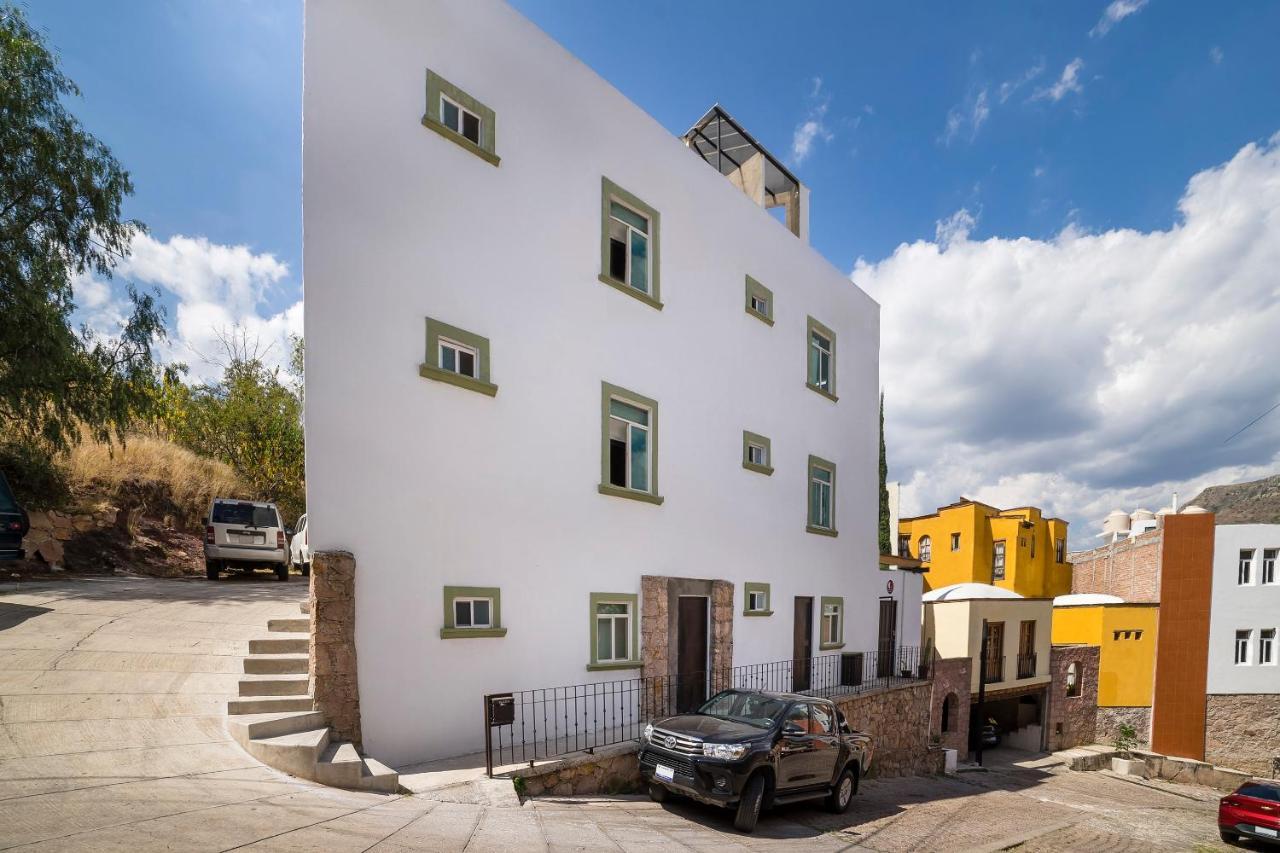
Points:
x=152, y=466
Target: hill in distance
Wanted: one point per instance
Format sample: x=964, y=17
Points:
x=1257, y=502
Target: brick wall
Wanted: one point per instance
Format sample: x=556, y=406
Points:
x=951, y=677
x=1129, y=569
x=1073, y=719
x=1242, y=731
x=898, y=722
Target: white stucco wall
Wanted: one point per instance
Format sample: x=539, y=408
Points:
x=432, y=485
x=1254, y=606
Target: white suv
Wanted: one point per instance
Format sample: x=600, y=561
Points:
x=300, y=547
x=244, y=535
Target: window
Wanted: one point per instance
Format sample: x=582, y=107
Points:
x=759, y=301
x=755, y=599
x=993, y=664
x=629, y=445
x=955, y=541
x=472, y=611
x=1073, y=679
x=822, y=364
x=1033, y=546
x=904, y=546
x=822, y=496
x=757, y=453
x=832, y=628
x=1269, y=565
x=460, y=118
x=457, y=357
x=1266, y=646
x=614, y=632
x=1244, y=574
x=997, y=560
x=824, y=719
x=1060, y=550
x=926, y=549
x=1242, y=647
x=629, y=244
x=949, y=713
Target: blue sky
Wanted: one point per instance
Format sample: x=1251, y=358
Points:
x=933, y=137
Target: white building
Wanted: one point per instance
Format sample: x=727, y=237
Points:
x=551, y=352
x=1244, y=651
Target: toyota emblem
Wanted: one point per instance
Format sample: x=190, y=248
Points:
x=670, y=742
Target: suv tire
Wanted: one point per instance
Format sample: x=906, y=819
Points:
x=211, y=570
x=1229, y=837
x=744, y=820
x=842, y=792
x=282, y=572
x=306, y=570
x=657, y=793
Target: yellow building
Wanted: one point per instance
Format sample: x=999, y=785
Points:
x=1126, y=637
x=970, y=542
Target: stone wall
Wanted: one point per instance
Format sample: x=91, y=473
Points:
x=610, y=770
x=1129, y=568
x=1110, y=720
x=1242, y=731
x=1073, y=720
x=898, y=722
x=658, y=621
x=333, y=643
x=951, y=677
x=50, y=529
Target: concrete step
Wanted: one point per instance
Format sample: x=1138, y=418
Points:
x=268, y=704
x=340, y=766
x=379, y=777
x=247, y=727
x=289, y=664
x=294, y=753
x=289, y=626
x=279, y=646
x=275, y=685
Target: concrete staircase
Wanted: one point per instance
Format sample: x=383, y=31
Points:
x=275, y=722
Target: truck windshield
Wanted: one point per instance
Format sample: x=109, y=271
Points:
x=750, y=708
x=246, y=514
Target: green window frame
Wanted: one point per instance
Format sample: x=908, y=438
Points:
x=752, y=588
x=611, y=193
x=438, y=87
x=631, y=632
x=634, y=431
x=820, y=369
x=454, y=595
x=757, y=291
x=447, y=343
x=816, y=502
x=751, y=439
x=831, y=636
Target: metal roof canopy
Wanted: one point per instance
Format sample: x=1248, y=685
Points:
x=726, y=145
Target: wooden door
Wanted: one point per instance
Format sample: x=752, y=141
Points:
x=802, y=643
x=691, y=653
x=887, y=646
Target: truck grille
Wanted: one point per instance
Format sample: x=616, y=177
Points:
x=674, y=743
x=650, y=759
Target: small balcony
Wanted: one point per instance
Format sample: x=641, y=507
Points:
x=1027, y=666
x=993, y=669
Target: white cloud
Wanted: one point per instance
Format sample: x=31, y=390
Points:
x=1068, y=81
x=1008, y=87
x=813, y=127
x=1215, y=53
x=216, y=287
x=969, y=115
x=1088, y=370
x=1116, y=12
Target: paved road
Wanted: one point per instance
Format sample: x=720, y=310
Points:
x=111, y=738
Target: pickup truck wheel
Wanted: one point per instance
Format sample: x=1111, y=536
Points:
x=211, y=570
x=842, y=792
x=749, y=806
x=282, y=573
x=657, y=793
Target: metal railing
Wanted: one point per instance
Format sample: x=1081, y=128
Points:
x=1027, y=666
x=525, y=726
x=993, y=669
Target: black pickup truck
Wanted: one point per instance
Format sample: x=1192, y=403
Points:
x=14, y=523
x=749, y=750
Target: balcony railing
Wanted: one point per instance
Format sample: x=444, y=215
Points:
x=1027, y=666
x=993, y=669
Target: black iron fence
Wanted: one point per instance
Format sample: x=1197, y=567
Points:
x=1026, y=666
x=525, y=726
x=993, y=669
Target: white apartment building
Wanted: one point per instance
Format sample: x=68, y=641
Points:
x=1244, y=651
x=564, y=367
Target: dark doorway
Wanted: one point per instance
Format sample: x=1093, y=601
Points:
x=691, y=653
x=887, y=645
x=802, y=643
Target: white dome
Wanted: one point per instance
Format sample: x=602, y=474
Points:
x=1081, y=598
x=1142, y=515
x=962, y=591
x=1195, y=510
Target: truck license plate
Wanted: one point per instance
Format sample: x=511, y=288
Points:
x=1267, y=831
x=662, y=771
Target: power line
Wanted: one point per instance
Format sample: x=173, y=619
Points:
x=1252, y=422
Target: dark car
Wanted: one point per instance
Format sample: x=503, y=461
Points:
x=989, y=734
x=1251, y=811
x=749, y=750
x=14, y=523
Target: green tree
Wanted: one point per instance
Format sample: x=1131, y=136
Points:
x=60, y=196
x=885, y=532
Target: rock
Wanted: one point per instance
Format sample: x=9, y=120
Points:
x=50, y=552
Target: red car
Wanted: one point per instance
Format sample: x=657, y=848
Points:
x=1253, y=811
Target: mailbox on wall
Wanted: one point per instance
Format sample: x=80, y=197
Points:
x=500, y=708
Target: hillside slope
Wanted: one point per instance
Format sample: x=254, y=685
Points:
x=1257, y=502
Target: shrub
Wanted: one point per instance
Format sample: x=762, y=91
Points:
x=37, y=478
x=1126, y=740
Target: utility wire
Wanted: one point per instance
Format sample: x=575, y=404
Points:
x=1252, y=422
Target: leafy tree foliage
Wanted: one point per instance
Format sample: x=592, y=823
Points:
x=60, y=196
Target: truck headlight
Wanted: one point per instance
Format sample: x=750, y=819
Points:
x=727, y=751
x=648, y=733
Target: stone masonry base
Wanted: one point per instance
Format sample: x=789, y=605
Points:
x=1243, y=731
x=333, y=643
x=1110, y=720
